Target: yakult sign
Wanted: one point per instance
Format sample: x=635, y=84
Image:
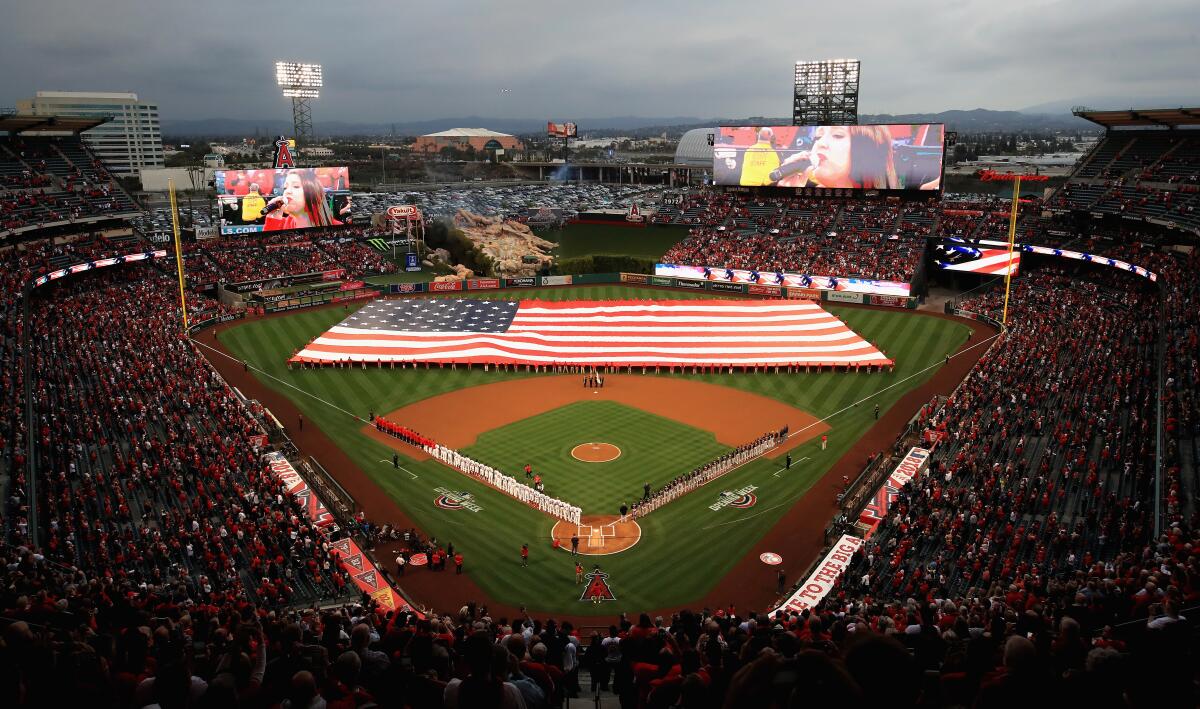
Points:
x=820, y=583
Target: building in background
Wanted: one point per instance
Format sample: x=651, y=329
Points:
x=481, y=140
x=131, y=141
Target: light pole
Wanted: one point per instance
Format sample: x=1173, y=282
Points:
x=300, y=82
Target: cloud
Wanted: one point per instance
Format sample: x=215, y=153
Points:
x=388, y=61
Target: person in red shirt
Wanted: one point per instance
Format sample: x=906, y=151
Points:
x=524, y=555
x=458, y=562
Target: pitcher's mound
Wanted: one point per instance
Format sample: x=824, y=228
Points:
x=595, y=452
x=598, y=534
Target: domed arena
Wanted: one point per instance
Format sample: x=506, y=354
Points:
x=617, y=392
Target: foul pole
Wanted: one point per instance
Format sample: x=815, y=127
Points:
x=178, y=254
x=1012, y=236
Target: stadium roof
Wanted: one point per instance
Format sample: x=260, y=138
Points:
x=467, y=133
x=1143, y=117
x=695, y=148
x=15, y=123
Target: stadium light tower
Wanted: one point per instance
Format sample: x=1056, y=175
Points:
x=300, y=82
x=826, y=93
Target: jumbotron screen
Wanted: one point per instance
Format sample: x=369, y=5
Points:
x=878, y=157
x=277, y=200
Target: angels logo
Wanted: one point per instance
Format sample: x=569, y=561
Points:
x=450, y=500
x=283, y=154
x=597, y=589
x=342, y=546
x=740, y=499
x=370, y=578
x=355, y=561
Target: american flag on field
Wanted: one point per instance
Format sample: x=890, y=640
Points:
x=965, y=257
x=629, y=332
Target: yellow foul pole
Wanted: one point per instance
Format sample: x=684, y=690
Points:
x=1012, y=236
x=178, y=254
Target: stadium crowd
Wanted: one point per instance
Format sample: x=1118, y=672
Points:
x=1020, y=569
x=45, y=181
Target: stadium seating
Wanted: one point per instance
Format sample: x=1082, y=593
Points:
x=49, y=181
x=1021, y=569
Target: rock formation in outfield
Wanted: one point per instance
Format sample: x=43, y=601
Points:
x=461, y=273
x=511, y=245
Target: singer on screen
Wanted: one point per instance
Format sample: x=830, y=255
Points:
x=303, y=204
x=845, y=156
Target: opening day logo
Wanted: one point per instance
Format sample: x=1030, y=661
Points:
x=740, y=499
x=450, y=500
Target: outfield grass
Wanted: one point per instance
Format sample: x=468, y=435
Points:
x=592, y=239
x=686, y=547
x=646, y=441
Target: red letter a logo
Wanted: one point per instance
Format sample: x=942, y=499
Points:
x=597, y=590
x=283, y=154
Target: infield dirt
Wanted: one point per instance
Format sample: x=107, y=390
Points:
x=455, y=419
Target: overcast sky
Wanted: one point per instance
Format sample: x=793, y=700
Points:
x=401, y=60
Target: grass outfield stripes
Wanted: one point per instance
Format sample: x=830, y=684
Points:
x=649, y=575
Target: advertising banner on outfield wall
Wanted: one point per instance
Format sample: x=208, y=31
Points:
x=640, y=278
x=840, y=297
x=686, y=283
x=407, y=288
x=556, y=280
x=755, y=289
x=780, y=278
x=727, y=287
x=820, y=582
x=523, y=282
x=804, y=293
x=482, y=283
x=445, y=286
x=888, y=300
x=664, y=282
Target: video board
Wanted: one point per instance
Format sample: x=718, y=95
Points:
x=561, y=130
x=876, y=157
x=277, y=200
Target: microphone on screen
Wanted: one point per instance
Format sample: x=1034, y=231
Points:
x=274, y=204
x=789, y=169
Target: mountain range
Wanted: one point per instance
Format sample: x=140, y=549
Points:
x=1043, y=117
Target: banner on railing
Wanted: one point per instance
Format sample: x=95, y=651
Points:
x=909, y=467
x=351, y=557
x=98, y=263
x=781, y=278
x=820, y=582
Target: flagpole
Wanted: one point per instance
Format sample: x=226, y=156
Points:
x=178, y=253
x=1012, y=235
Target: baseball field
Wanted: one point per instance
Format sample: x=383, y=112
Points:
x=594, y=447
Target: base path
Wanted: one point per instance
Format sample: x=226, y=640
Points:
x=455, y=419
x=595, y=452
x=598, y=534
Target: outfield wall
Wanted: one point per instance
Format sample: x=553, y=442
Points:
x=644, y=279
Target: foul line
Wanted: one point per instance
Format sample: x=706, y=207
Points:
x=798, y=462
x=840, y=411
x=414, y=475
x=265, y=373
x=893, y=384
